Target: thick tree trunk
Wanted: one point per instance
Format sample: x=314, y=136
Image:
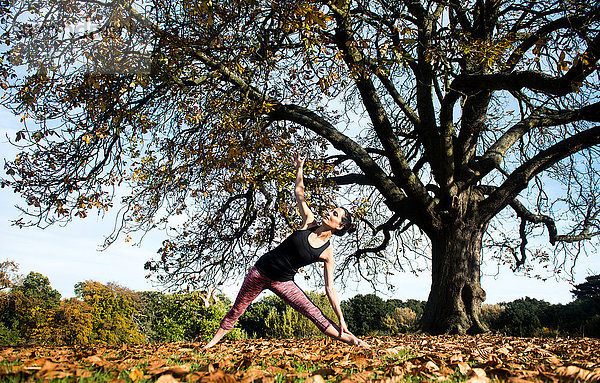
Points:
x=456, y=295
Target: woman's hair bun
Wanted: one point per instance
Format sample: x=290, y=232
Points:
x=351, y=228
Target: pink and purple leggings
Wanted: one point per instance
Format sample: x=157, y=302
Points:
x=289, y=291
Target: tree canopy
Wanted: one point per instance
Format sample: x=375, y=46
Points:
x=441, y=123
x=590, y=289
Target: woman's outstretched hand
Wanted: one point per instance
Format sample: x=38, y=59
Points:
x=344, y=328
x=298, y=161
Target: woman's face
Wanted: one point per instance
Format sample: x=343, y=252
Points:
x=334, y=218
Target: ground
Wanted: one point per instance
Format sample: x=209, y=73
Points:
x=409, y=358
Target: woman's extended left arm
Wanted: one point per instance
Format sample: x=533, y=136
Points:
x=327, y=257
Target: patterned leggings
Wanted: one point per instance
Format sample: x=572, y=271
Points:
x=289, y=291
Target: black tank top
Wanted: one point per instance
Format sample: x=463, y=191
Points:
x=283, y=262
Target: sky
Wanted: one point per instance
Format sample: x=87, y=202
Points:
x=70, y=254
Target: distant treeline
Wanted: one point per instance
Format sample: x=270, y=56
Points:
x=32, y=312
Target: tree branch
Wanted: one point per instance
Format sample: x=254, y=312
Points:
x=562, y=23
x=391, y=224
x=404, y=177
x=359, y=155
x=519, y=179
x=527, y=215
x=584, y=65
x=406, y=109
x=494, y=155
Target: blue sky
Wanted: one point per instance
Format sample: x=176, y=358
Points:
x=68, y=255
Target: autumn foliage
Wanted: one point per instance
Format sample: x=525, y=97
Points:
x=391, y=359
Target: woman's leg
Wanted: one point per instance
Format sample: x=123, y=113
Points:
x=293, y=295
x=253, y=284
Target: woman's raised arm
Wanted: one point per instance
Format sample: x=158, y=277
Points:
x=308, y=218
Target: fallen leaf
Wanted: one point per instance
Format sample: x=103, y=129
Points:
x=362, y=376
x=478, y=379
x=221, y=377
x=177, y=371
x=136, y=374
x=81, y=373
x=390, y=351
x=463, y=368
x=253, y=374
x=456, y=358
x=478, y=372
x=156, y=363
x=431, y=367
x=315, y=379
x=47, y=367
x=577, y=373
x=166, y=379
x=393, y=379
x=96, y=360
x=57, y=375
x=554, y=360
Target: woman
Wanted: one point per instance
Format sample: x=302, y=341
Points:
x=275, y=270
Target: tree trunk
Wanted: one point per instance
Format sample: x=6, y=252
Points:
x=456, y=295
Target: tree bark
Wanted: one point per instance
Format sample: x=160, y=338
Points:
x=456, y=295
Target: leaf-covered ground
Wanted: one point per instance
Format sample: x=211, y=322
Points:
x=391, y=359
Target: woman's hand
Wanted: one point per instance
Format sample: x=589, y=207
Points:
x=344, y=328
x=298, y=161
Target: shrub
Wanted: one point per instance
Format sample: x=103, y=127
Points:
x=72, y=323
x=112, y=311
x=180, y=317
x=365, y=314
x=273, y=318
x=490, y=315
x=523, y=317
x=400, y=321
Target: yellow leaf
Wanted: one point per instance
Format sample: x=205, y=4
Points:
x=136, y=374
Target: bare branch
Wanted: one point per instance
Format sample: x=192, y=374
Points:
x=528, y=216
x=561, y=23
x=355, y=60
x=406, y=109
x=390, y=225
x=494, y=155
x=533, y=80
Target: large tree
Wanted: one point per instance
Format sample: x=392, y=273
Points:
x=443, y=123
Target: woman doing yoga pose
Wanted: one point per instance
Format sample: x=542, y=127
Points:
x=275, y=270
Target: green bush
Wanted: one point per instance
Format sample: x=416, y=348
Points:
x=591, y=327
x=112, y=310
x=490, y=315
x=181, y=317
x=365, y=314
x=400, y=321
x=272, y=318
x=9, y=335
x=523, y=317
